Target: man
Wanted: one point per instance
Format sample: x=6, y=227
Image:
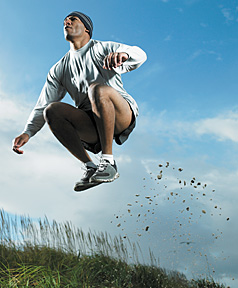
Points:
x=91, y=73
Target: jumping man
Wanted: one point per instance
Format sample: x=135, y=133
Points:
x=91, y=73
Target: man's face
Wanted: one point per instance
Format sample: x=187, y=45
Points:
x=73, y=28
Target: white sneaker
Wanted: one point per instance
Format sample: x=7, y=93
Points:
x=106, y=172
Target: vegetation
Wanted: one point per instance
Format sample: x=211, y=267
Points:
x=43, y=254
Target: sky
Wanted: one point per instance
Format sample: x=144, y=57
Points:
x=177, y=190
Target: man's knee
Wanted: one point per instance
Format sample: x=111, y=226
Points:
x=51, y=111
x=98, y=92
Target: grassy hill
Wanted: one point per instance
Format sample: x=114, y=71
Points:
x=43, y=254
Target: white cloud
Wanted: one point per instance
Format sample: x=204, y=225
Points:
x=223, y=127
x=13, y=112
x=203, y=52
x=227, y=13
x=230, y=14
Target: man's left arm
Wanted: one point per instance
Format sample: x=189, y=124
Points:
x=125, y=58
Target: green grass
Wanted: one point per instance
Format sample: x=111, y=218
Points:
x=43, y=254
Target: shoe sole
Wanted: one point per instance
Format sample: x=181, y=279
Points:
x=106, y=180
x=83, y=188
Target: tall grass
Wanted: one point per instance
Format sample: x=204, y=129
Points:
x=22, y=231
x=40, y=253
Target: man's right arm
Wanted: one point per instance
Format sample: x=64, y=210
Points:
x=52, y=91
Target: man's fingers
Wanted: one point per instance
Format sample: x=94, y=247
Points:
x=109, y=61
x=109, y=57
x=120, y=58
x=17, y=150
x=106, y=62
x=18, y=142
x=114, y=60
x=115, y=55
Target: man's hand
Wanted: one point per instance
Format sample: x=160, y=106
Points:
x=19, y=142
x=114, y=60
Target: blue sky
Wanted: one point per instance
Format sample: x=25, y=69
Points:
x=187, y=95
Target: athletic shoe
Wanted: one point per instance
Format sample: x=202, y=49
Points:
x=84, y=182
x=106, y=172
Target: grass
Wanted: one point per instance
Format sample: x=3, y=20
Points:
x=43, y=254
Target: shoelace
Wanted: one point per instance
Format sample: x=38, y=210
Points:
x=102, y=165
